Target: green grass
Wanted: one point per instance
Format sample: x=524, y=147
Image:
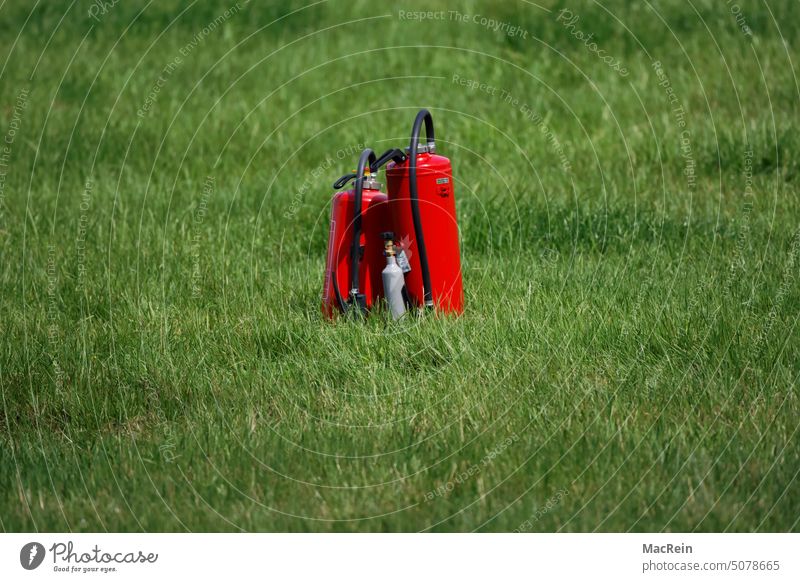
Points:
x=629, y=355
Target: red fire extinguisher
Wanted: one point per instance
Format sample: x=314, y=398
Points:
x=419, y=213
x=355, y=246
x=423, y=215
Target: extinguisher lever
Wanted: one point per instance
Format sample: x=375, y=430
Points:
x=342, y=182
x=393, y=154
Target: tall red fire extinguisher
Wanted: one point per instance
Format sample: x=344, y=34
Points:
x=423, y=214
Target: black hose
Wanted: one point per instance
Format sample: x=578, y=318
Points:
x=423, y=115
x=339, y=300
x=367, y=157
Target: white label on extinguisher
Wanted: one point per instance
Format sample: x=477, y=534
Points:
x=402, y=261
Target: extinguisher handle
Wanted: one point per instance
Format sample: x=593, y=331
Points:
x=342, y=182
x=392, y=154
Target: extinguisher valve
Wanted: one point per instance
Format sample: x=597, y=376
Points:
x=370, y=183
x=388, y=243
x=423, y=148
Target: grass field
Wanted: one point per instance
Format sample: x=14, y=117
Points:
x=630, y=222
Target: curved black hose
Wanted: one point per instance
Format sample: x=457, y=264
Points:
x=339, y=300
x=423, y=116
x=367, y=157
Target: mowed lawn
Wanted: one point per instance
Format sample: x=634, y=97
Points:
x=627, y=192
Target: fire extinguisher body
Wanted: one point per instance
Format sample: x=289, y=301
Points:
x=375, y=220
x=437, y=208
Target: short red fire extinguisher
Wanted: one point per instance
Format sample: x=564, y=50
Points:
x=419, y=213
x=355, y=247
